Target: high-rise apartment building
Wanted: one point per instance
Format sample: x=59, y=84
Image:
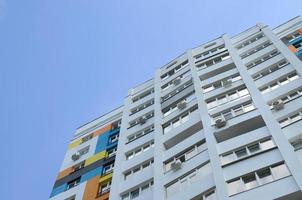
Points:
x=221, y=121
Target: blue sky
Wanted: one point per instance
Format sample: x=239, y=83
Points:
x=65, y=62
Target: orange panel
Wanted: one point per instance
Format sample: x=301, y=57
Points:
x=300, y=31
x=102, y=130
x=292, y=48
x=64, y=173
x=91, y=188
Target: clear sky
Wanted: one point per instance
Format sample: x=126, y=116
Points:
x=65, y=62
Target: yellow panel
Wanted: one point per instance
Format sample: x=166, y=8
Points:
x=74, y=144
x=95, y=158
x=106, y=177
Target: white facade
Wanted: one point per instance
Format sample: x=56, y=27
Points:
x=221, y=121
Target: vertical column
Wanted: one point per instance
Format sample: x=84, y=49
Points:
x=285, y=148
x=285, y=51
x=221, y=190
x=120, y=157
x=159, y=190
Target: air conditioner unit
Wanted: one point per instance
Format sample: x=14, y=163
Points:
x=278, y=105
x=177, y=81
x=227, y=82
x=220, y=122
x=75, y=156
x=142, y=120
x=176, y=165
x=181, y=105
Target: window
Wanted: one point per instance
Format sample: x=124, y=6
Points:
x=139, y=150
x=175, y=70
x=174, y=123
x=87, y=138
x=278, y=83
x=220, y=83
x=290, y=119
x=187, y=180
x=135, y=193
x=108, y=168
x=113, y=138
x=111, y=152
x=141, y=107
x=254, y=148
x=228, y=97
x=213, y=61
x=259, y=177
x=73, y=183
x=104, y=188
x=248, y=150
x=142, y=95
x=79, y=166
x=186, y=155
x=249, y=41
x=262, y=59
x=84, y=150
x=141, y=133
x=265, y=175
x=177, y=90
x=138, y=168
x=241, y=153
x=250, y=181
x=255, y=49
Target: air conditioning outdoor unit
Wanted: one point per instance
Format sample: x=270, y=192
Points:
x=278, y=104
x=176, y=165
x=220, y=122
x=181, y=105
x=227, y=83
x=75, y=156
x=142, y=120
x=177, y=81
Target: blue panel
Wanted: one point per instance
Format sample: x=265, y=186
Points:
x=91, y=174
x=58, y=190
x=299, y=52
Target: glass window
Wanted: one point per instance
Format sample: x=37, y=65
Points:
x=167, y=128
x=145, y=187
x=233, y=95
x=222, y=99
x=185, y=118
x=265, y=176
x=135, y=193
x=249, y=107
x=280, y=171
x=227, y=115
x=295, y=118
x=230, y=157
x=284, y=122
x=235, y=187
x=293, y=77
x=254, y=148
x=146, y=165
x=138, y=151
x=250, y=181
x=241, y=153
x=238, y=111
x=267, y=144
x=190, y=153
x=284, y=81
x=243, y=92
x=210, y=196
x=176, y=123
x=125, y=196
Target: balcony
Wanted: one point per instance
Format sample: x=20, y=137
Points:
x=252, y=45
x=284, y=89
x=258, y=54
x=183, y=131
x=274, y=76
x=293, y=130
x=252, y=163
x=242, y=140
x=216, y=69
x=223, y=89
x=289, y=108
x=283, y=189
x=265, y=64
x=239, y=125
